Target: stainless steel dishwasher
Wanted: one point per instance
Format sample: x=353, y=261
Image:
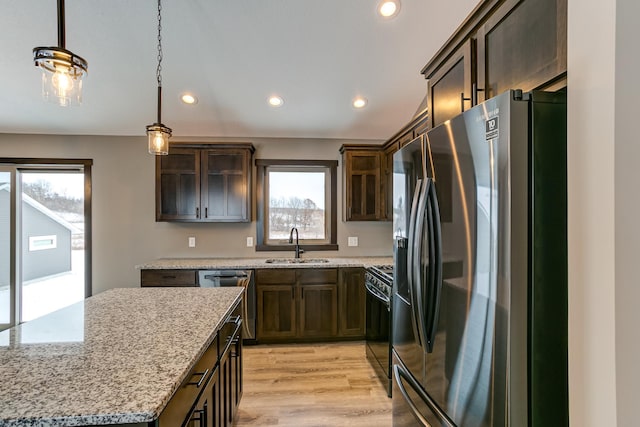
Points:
x=244, y=278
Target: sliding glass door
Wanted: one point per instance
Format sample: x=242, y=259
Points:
x=45, y=251
x=52, y=235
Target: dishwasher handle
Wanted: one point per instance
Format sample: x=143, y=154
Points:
x=227, y=274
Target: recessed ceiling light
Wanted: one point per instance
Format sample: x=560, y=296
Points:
x=187, y=98
x=359, y=102
x=275, y=101
x=389, y=8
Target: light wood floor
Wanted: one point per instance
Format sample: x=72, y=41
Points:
x=311, y=385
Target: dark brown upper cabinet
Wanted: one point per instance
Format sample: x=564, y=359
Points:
x=363, y=183
x=368, y=173
x=416, y=127
x=204, y=183
x=502, y=45
x=451, y=86
x=523, y=45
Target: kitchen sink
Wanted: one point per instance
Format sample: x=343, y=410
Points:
x=296, y=260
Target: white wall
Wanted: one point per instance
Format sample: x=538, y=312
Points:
x=627, y=205
x=124, y=229
x=604, y=235
x=591, y=146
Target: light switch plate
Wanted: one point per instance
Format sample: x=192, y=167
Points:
x=192, y=242
x=249, y=242
x=353, y=241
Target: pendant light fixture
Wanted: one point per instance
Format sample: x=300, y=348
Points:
x=158, y=133
x=62, y=70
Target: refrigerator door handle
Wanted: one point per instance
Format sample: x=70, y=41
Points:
x=401, y=374
x=416, y=267
x=434, y=289
x=411, y=280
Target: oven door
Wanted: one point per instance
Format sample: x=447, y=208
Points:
x=378, y=329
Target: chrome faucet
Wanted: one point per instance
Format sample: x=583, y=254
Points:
x=298, y=250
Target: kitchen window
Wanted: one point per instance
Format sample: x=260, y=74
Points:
x=300, y=194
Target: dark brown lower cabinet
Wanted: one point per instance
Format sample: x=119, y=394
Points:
x=230, y=369
x=170, y=278
x=204, y=412
x=310, y=304
x=352, y=297
x=276, y=311
x=318, y=310
x=210, y=395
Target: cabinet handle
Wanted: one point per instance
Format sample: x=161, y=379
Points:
x=168, y=277
x=197, y=212
x=206, y=212
x=203, y=375
x=201, y=418
x=474, y=94
x=462, y=99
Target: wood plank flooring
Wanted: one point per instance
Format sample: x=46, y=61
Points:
x=311, y=385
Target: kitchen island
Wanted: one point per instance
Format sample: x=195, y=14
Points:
x=115, y=358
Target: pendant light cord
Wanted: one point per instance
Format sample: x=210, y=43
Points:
x=61, y=19
x=159, y=69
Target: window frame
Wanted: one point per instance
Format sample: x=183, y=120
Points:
x=262, y=206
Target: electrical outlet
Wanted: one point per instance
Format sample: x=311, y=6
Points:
x=192, y=242
x=353, y=241
x=249, y=242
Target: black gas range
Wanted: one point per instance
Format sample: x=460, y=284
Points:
x=379, y=284
x=380, y=277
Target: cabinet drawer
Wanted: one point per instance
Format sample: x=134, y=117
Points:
x=168, y=278
x=318, y=276
x=184, y=398
x=278, y=276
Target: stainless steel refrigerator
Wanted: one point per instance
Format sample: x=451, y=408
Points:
x=480, y=268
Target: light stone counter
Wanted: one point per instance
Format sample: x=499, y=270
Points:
x=114, y=358
x=250, y=263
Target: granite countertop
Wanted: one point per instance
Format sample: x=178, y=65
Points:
x=213, y=263
x=114, y=358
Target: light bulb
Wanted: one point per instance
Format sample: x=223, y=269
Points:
x=158, y=141
x=359, y=102
x=62, y=74
x=275, y=101
x=62, y=81
x=387, y=9
x=60, y=87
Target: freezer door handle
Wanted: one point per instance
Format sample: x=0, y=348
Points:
x=411, y=259
x=400, y=375
x=417, y=268
x=434, y=285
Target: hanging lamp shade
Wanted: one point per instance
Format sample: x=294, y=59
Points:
x=157, y=133
x=62, y=70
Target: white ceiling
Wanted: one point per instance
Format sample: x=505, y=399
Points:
x=232, y=54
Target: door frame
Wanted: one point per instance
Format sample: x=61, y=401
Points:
x=14, y=165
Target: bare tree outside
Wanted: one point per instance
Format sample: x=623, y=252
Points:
x=305, y=215
x=297, y=200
